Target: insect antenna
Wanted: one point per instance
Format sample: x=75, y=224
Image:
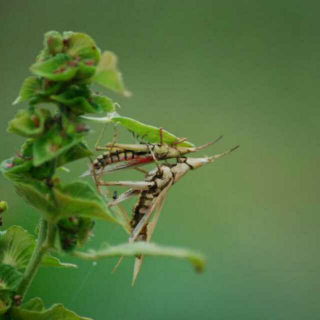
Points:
x=207, y=144
x=96, y=147
x=217, y=156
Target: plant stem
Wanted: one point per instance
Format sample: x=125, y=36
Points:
x=44, y=244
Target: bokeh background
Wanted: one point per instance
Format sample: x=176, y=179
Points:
x=246, y=69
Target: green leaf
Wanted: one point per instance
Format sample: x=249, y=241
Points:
x=29, y=123
x=53, y=41
x=16, y=248
x=37, y=90
x=81, y=45
x=56, y=312
x=74, y=232
x=107, y=74
x=14, y=167
x=30, y=88
x=80, y=100
x=102, y=103
x=9, y=281
x=75, y=199
x=34, y=304
x=52, y=45
x=21, y=167
x=146, y=132
x=59, y=68
x=78, y=60
x=58, y=139
x=147, y=249
x=80, y=199
x=5, y=301
x=76, y=152
x=37, y=194
x=9, y=277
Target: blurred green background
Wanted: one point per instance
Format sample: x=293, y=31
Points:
x=246, y=69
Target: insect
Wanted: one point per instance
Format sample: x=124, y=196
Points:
x=125, y=156
x=152, y=192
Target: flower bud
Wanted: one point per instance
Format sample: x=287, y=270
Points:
x=3, y=206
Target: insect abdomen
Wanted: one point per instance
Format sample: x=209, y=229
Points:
x=115, y=157
x=139, y=210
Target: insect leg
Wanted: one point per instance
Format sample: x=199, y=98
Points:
x=95, y=177
x=115, y=137
x=121, y=214
x=124, y=196
x=142, y=171
x=96, y=147
x=117, y=265
x=161, y=136
x=154, y=157
x=139, y=185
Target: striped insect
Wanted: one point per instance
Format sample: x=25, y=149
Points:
x=126, y=156
x=152, y=192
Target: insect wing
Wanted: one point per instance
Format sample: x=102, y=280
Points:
x=156, y=206
x=153, y=223
x=158, y=201
x=136, y=268
x=122, y=165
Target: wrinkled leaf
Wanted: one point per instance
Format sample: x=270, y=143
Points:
x=34, y=304
x=37, y=194
x=146, y=132
x=81, y=45
x=77, y=60
x=53, y=41
x=36, y=90
x=5, y=301
x=52, y=46
x=9, y=281
x=146, y=249
x=15, y=167
x=80, y=199
x=74, y=232
x=9, y=277
x=59, y=68
x=107, y=74
x=29, y=123
x=56, y=312
x=16, y=248
x=30, y=88
x=75, y=199
x=21, y=167
x=58, y=140
x=76, y=152
x=80, y=100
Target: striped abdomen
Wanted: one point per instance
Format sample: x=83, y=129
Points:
x=117, y=156
x=140, y=209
